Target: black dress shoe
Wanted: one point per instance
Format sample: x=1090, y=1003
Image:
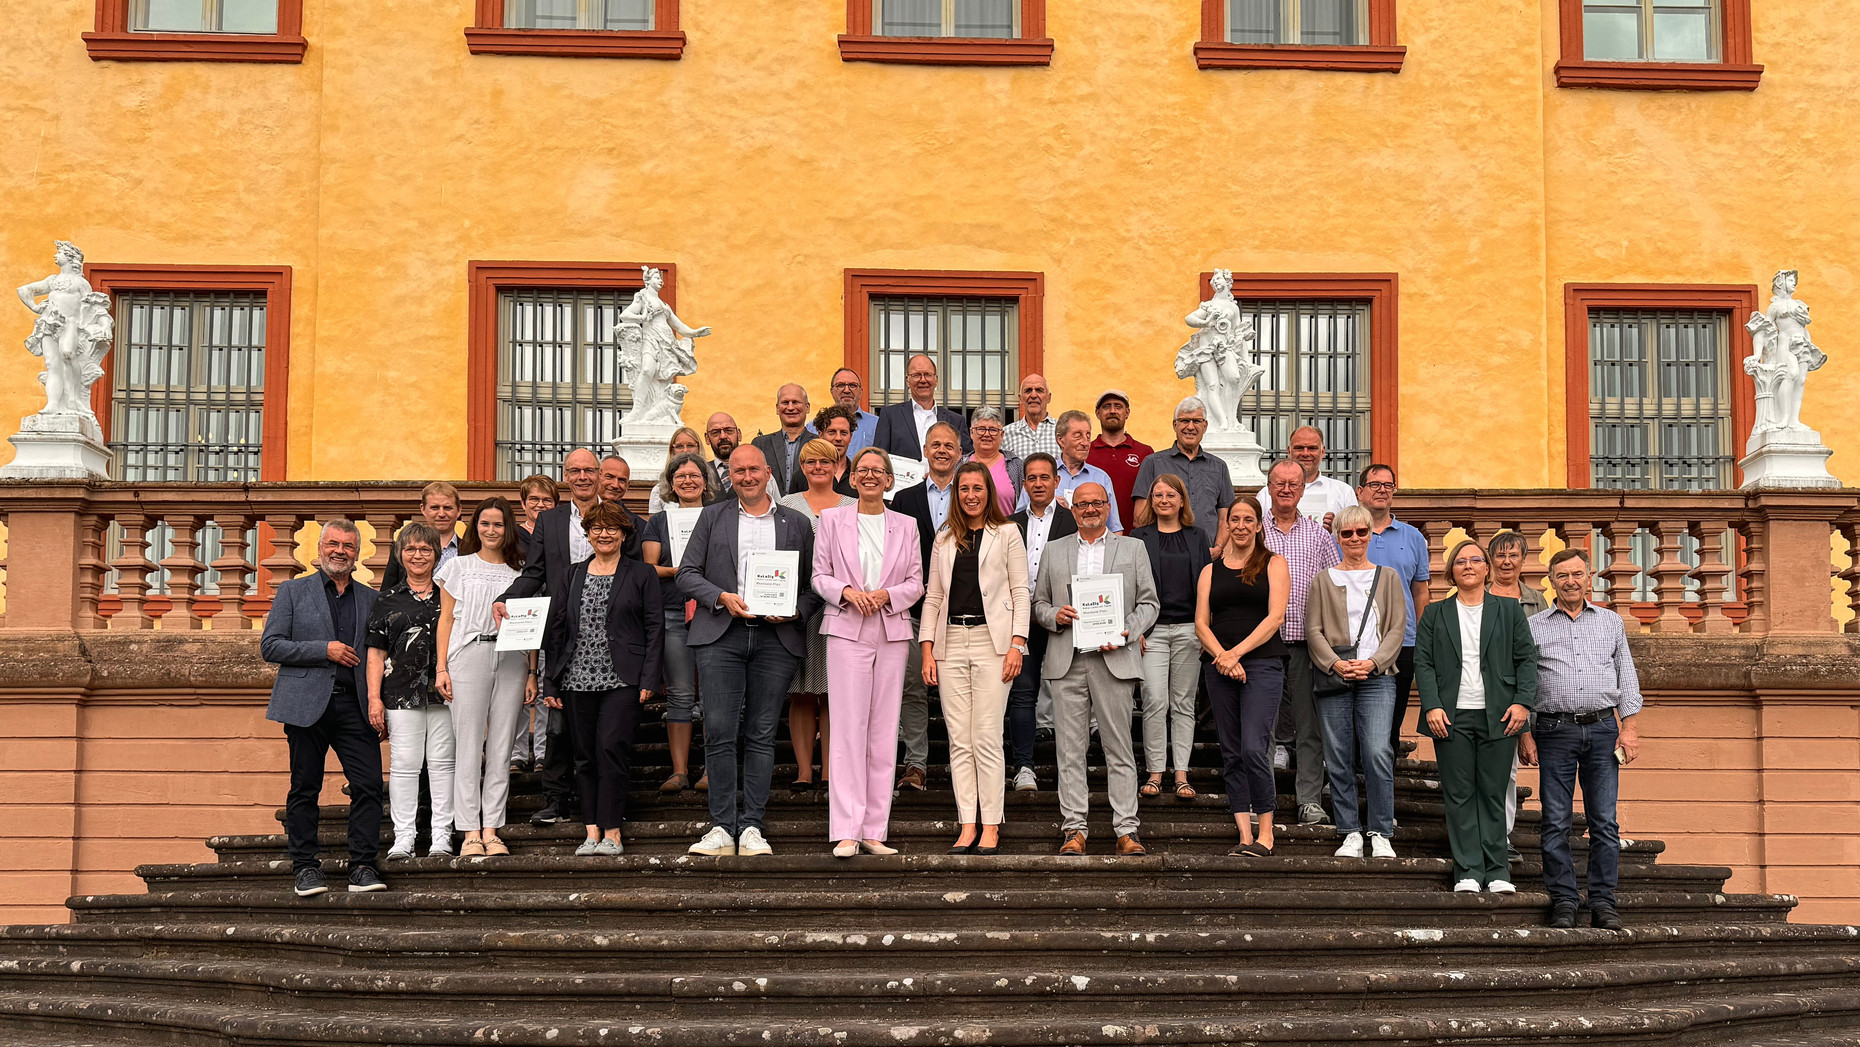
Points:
x=547, y=816
x=1563, y=915
x=310, y=882
x=1604, y=917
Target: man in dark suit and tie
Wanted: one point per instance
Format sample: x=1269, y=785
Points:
x=782, y=448
x=745, y=662
x=928, y=503
x=1043, y=521
x=902, y=428
x=315, y=634
x=723, y=434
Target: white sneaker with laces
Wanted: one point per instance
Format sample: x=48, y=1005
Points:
x=1466, y=887
x=715, y=844
x=1380, y=847
x=1025, y=782
x=1501, y=887
x=442, y=847
x=1281, y=758
x=752, y=843
x=1352, y=846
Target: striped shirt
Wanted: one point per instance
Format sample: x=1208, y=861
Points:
x=1307, y=549
x=1021, y=439
x=1583, y=663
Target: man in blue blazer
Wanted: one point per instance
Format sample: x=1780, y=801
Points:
x=745, y=663
x=902, y=427
x=315, y=635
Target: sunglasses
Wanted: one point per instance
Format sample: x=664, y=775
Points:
x=1354, y=532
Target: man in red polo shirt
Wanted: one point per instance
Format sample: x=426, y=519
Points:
x=1117, y=452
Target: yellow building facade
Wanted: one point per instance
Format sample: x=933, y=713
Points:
x=765, y=165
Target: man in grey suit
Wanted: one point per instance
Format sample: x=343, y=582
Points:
x=744, y=662
x=782, y=448
x=1097, y=684
x=315, y=635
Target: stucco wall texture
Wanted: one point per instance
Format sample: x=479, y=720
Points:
x=764, y=166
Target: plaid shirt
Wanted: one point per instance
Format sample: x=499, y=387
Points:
x=1583, y=663
x=1021, y=439
x=1308, y=549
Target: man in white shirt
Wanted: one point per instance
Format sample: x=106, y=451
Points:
x=1324, y=497
x=1043, y=521
x=1034, y=432
x=903, y=427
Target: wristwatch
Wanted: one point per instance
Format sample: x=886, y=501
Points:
x=1022, y=648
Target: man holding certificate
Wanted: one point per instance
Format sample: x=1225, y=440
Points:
x=1095, y=597
x=746, y=565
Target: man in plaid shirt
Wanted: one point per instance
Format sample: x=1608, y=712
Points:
x=1308, y=549
x=1034, y=430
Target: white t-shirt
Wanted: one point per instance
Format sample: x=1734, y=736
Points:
x=871, y=547
x=474, y=584
x=1356, y=589
x=1472, y=681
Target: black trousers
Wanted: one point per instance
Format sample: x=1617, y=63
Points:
x=1023, y=701
x=604, y=724
x=558, y=766
x=1404, y=685
x=342, y=727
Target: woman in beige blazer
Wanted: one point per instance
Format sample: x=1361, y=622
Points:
x=974, y=635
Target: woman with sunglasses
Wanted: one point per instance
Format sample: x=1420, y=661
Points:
x=1476, y=664
x=807, y=701
x=1357, y=607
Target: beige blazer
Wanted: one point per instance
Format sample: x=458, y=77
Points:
x=1001, y=564
x=1327, y=621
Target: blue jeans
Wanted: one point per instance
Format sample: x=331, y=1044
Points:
x=680, y=670
x=1023, y=701
x=746, y=673
x=1566, y=751
x=1356, y=723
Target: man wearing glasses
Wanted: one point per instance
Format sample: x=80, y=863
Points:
x=1402, y=549
x=1210, y=488
x=1308, y=549
x=723, y=436
x=1324, y=497
x=848, y=392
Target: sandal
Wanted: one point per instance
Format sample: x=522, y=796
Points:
x=1184, y=792
x=1153, y=787
x=703, y=783
x=677, y=783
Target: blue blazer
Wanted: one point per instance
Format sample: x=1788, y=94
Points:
x=709, y=570
x=896, y=432
x=297, y=635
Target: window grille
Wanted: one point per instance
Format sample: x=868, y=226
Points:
x=188, y=391
x=204, y=16
x=559, y=383
x=1316, y=360
x=1311, y=22
x=1651, y=30
x=579, y=14
x=975, y=341
x=997, y=19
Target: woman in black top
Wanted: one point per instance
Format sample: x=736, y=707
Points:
x=401, y=700
x=1239, y=608
x=1171, y=651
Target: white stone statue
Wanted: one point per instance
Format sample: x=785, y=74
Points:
x=72, y=335
x=1218, y=355
x=656, y=348
x=1784, y=355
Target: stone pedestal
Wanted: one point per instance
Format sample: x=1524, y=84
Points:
x=1787, y=458
x=58, y=447
x=644, y=448
x=1241, y=451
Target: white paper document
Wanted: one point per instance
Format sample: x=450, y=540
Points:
x=774, y=583
x=1099, y=600
x=906, y=472
x=523, y=629
x=679, y=523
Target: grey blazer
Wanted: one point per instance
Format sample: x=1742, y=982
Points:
x=709, y=570
x=297, y=635
x=1125, y=556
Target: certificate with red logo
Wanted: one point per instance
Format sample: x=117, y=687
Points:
x=774, y=583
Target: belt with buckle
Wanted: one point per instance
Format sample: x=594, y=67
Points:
x=1580, y=719
x=968, y=620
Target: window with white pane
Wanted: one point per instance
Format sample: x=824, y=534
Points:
x=973, y=19
x=188, y=387
x=1308, y=22
x=559, y=382
x=579, y=14
x=1651, y=30
x=975, y=342
x=1315, y=355
x=204, y=16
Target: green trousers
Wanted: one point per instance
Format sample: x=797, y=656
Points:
x=1475, y=770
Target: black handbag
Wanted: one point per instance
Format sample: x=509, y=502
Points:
x=1325, y=683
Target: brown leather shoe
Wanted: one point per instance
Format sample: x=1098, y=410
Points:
x=913, y=778
x=1075, y=843
x=1130, y=847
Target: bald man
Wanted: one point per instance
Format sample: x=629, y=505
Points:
x=782, y=448
x=1035, y=430
x=722, y=433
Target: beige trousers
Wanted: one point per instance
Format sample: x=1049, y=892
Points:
x=968, y=675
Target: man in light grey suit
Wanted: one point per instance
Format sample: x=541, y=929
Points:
x=1101, y=683
x=315, y=633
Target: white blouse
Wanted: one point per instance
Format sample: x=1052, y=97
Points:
x=872, y=547
x=474, y=584
x=1472, y=681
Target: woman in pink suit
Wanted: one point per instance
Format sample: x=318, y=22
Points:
x=868, y=567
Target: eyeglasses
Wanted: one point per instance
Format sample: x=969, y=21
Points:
x=871, y=470
x=984, y=430
x=1354, y=532
x=721, y=432
x=1089, y=505
x=1379, y=485
x=818, y=461
x=1191, y=421
x=1286, y=485
x=1468, y=561
x=604, y=529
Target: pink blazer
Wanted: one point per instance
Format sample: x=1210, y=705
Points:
x=837, y=566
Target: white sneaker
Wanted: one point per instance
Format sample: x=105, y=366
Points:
x=1281, y=758
x=1501, y=887
x=1466, y=887
x=442, y=847
x=751, y=842
x=1352, y=846
x=401, y=851
x=716, y=844
x=1025, y=782
x=1380, y=847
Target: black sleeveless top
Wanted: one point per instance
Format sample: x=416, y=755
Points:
x=1235, y=608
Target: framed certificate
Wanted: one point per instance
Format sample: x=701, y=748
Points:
x=679, y=523
x=774, y=583
x=523, y=628
x=1099, y=600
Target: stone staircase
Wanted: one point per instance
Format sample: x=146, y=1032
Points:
x=1188, y=945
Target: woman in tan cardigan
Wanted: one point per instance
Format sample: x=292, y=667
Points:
x=974, y=635
x=1357, y=719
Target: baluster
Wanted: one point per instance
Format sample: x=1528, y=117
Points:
x=1756, y=575
x=232, y=570
x=1534, y=570
x=92, y=570
x=1438, y=585
x=1710, y=574
x=1850, y=529
x=132, y=571
x=1669, y=578
x=1621, y=571
x=386, y=524
x=281, y=566
x=183, y=566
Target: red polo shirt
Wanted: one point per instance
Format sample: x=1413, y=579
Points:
x=1121, y=462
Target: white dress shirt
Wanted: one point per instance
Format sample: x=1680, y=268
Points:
x=754, y=534
x=1091, y=554
x=1038, y=528
x=579, y=548
x=925, y=417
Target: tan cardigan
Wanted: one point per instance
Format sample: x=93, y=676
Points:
x=1327, y=621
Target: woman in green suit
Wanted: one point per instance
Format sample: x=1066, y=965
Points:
x=1477, y=667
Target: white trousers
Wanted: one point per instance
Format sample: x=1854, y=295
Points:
x=487, y=697
x=420, y=738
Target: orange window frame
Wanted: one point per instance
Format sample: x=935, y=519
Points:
x=489, y=36
x=860, y=43
x=1380, y=55
x=1735, y=71
x=113, y=41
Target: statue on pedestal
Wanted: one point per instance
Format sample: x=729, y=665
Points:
x=656, y=348
x=73, y=334
x=1784, y=355
x=1217, y=355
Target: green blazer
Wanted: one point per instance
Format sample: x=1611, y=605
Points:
x=1507, y=658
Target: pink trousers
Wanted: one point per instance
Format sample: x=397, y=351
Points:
x=865, y=682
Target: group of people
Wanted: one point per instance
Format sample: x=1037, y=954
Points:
x=1302, y=614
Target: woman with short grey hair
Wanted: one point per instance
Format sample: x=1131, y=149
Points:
x=986, y=428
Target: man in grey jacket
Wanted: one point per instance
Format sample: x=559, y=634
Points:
x=1100, y=683
x=315, y=633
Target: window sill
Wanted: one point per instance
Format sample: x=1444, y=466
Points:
x=577, y=43
x=1659, y=76
x=1367, y=58
x=194, y=47
x=931, y=50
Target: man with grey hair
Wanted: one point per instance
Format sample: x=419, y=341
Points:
x=1308, y=550
x=1210, y=487
x=1074, y=429
x=782, y=448
x=1324, y=497
x=1035, y=431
